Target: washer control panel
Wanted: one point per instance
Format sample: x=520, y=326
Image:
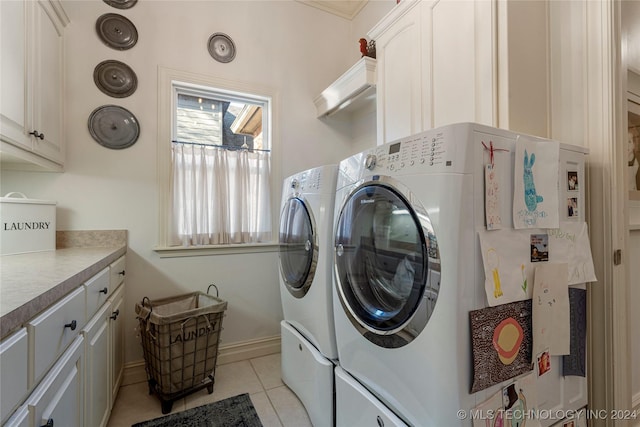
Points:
x=427, y=151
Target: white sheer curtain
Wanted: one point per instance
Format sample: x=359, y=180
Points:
x=219, y=196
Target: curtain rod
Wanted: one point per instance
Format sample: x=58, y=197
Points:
x=225, y=147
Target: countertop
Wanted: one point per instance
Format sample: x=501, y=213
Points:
x=30, y=283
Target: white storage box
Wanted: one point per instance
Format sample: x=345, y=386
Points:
x=27, y=225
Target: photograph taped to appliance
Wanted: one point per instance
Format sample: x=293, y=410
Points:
x=572, y=207
x=575, y=362
x=572, y=181
x=501, y=343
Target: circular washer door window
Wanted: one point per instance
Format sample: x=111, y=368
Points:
x=385, y=251
x=298, y=247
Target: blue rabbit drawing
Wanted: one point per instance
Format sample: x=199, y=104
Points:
x=531, y=199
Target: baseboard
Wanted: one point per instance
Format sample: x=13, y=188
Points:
x=134, y=371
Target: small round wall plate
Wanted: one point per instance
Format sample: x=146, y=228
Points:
x=116, y=31
x=115, y=78
x=221, y=47
x=113, y=127
x=121, y=4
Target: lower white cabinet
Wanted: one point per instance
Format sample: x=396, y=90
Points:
x=59, y=398
x=13, y=371
x=62, y=370
x=98, y=389
x=104, y=360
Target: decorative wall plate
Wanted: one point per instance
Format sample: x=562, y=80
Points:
x=113, y=127
x=115, y=78
x=221, y=47
x=121, y=4
x=116, y=31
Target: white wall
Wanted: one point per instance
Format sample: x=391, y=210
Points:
x=286, y=45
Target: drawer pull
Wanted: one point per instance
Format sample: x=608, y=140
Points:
x=115, y=314
x=49, y=423
x=121, y=273
x=71, y=325
x=36, y=134
x=104, y=290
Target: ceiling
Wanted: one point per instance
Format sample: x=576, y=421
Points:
x=347, y=9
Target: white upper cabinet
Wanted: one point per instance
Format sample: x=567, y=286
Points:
x=448, y=61
x=399, y=91
x=32, y=83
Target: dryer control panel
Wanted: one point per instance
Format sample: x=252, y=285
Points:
x=425, y=152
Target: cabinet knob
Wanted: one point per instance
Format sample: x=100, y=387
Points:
x=121, y=273
x=104, y=290
x=49, y=423
x=36, y=134
x=71, y=325
x=115, y=314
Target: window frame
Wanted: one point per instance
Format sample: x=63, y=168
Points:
x=166, y=121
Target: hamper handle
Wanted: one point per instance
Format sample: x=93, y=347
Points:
x=146, y=319
x=217, y=293
x=150, y=307
x=209, y=327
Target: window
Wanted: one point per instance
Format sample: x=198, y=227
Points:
x=215, y=156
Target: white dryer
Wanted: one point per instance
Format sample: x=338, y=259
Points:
x=408, y=270
x=306, y=268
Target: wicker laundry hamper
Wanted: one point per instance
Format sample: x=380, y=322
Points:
x=180, y=337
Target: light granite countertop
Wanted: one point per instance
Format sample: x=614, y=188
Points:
x=30, y=283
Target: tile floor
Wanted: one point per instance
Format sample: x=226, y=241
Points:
x=276, y=405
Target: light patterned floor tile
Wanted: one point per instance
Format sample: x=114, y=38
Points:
x=134, y=404
x=268, y=370
x=265, y=410
x=288, y=407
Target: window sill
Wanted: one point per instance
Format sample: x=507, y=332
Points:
x=180, y=251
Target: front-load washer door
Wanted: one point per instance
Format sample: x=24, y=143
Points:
x=298, y=246
x=386, y=258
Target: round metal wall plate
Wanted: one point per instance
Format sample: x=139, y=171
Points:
x=113, y=127
x=116, y=31
x=115, y=78
x=221, y=47
x=121, y=4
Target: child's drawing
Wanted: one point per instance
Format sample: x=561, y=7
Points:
x=507, y=267
x=535, y=186
x=531, y=199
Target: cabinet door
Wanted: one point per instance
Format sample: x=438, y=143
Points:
x=13, y=69
x=14, y=372
x=48, y=82
x=399, y=80
x=117, y=340
x=60, y=397
x=53, y=330
x=97, y=352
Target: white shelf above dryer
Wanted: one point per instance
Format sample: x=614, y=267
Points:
x=351, y=91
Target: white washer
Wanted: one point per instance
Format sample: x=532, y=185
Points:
x=408, y=269
x=306, y=270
